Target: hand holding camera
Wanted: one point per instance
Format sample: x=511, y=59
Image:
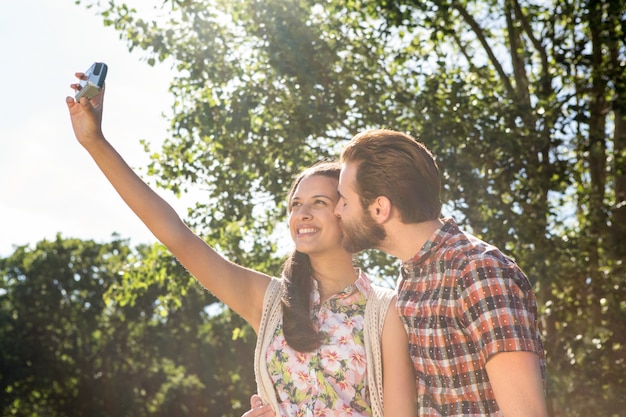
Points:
x=86, y=115
x=93, y=81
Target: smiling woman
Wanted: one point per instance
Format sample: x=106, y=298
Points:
x=42, y=178
x=311, y=218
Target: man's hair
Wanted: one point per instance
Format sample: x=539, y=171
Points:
x=395, y=165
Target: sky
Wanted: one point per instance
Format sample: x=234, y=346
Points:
x=49, y=185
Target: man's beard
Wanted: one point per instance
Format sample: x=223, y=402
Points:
x=362, y=234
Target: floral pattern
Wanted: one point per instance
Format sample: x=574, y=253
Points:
x=332, y=380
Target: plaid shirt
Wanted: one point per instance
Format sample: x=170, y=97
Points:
x=462, y=301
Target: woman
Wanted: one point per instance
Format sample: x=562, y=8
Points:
x=311, y=350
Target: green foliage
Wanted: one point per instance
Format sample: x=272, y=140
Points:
x=73, y=343
x=523, y=104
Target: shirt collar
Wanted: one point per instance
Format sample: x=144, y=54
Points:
x=434, y=242
x=362, y=284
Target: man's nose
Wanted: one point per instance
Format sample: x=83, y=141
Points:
x=338, y=209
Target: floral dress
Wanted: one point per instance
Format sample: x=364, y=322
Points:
x=330, y=381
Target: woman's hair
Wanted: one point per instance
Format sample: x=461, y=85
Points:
x=395, y=165
x=298, y=327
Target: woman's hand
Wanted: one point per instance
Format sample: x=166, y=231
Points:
x=86, y=115
x=258, y=409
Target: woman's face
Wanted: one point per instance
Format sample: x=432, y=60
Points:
x=312, y=222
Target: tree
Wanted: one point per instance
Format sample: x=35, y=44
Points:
x=522, y=102
x=76, y=341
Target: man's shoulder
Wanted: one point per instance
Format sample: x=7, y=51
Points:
x=469, y=249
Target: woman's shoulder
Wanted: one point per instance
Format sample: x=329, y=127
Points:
x=382, y=292
x=379, y=300
x=275, y=286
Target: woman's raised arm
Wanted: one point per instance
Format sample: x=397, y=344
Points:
x=240, y=288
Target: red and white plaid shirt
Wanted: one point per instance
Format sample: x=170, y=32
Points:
x=462, y=301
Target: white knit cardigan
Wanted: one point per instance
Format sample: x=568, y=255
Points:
x=375, y=313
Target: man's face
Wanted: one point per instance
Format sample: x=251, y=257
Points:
x=360, y=230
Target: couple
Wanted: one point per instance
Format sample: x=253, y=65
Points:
x=329, y=342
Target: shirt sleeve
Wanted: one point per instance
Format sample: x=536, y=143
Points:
x=499, y=309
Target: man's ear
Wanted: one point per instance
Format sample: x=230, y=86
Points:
x=380, y=209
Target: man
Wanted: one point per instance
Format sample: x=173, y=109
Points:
x=469, y=310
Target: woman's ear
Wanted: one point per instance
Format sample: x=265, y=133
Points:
x=380, y=209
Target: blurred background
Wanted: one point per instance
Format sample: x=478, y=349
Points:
x=49, y=184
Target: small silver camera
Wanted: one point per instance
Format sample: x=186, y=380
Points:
x=96, y=75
